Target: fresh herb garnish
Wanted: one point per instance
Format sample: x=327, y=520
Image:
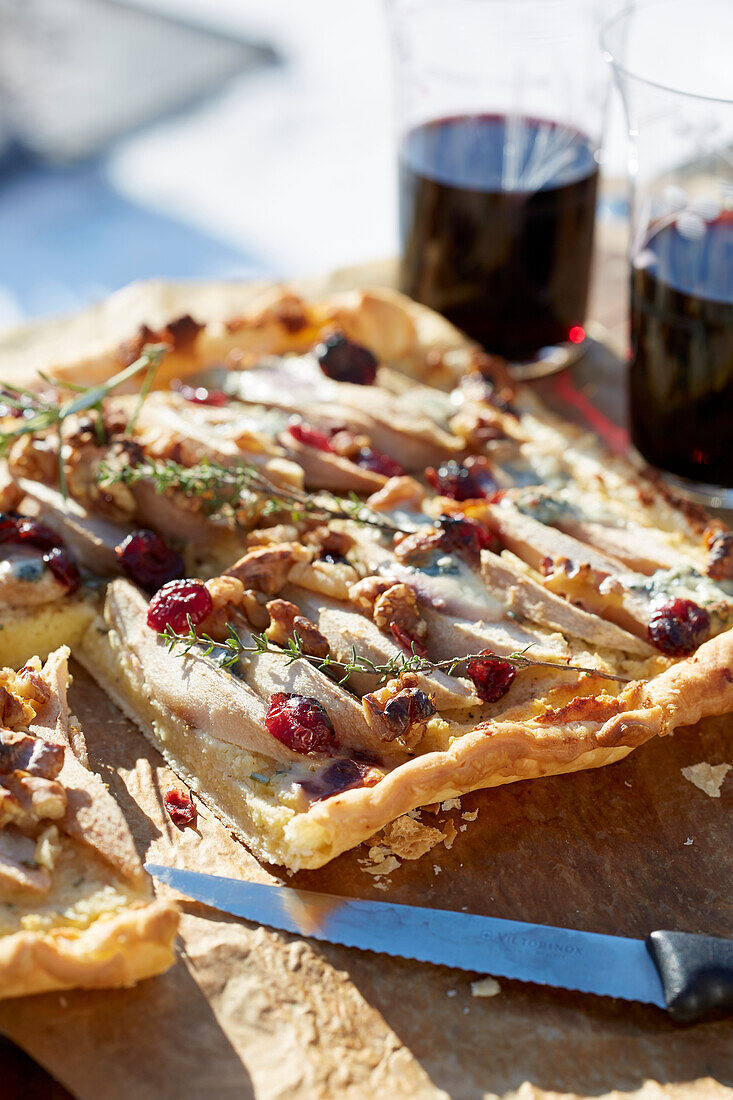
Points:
x=222, y=489
x=40, y=415
x=233, y=648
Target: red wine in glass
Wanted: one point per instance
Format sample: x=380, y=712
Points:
x=681, y=378
x=496, y=226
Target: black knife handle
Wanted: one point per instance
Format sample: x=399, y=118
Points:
x=696, y=972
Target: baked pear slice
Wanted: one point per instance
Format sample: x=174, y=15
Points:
x=76, y=907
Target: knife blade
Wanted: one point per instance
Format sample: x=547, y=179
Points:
x=685, y=973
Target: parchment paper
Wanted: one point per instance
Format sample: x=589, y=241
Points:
x=249, y=1012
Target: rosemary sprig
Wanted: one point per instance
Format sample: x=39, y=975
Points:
x=221, y=487
x=229, y=651
x=47, y=416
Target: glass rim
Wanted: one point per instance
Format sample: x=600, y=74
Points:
x=611, y=57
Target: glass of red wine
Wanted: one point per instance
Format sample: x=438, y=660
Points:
x=500, y=108
x=672, y=62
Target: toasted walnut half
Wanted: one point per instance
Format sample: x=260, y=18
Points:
x=347, y=444
x=364, y=593
x=21, y=693
x=29, y=790
x=399, y=492
x=399, y=711
x=286, y=621
x=10, y=494
x=720, y=555
x=328, y=543
x=399, y=605
x=34, y=457
x=267, y=568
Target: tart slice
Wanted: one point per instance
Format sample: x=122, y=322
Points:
x=76, y=907
x=301, y=768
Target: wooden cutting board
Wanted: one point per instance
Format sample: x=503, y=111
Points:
x=248, y=1012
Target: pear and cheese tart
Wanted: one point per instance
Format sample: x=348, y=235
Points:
x=76, y=907
x=399, y=576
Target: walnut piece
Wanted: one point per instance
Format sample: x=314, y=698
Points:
x=21, y=694
x=34, y=458
x=81, y=465
x=39, y=799
x=267, y=568
x=398, y=492
x=348, y=445
x=29, y=790
x=227, y=596
x=364, y=593
x=10, y=494
x=720, y=555
x=399, y=605
x=286, y=621
x=21, y=751
x=326, y=541
x=399, y=711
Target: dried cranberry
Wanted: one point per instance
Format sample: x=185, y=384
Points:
x=300, y=722
x=22, y=529
x=8, y=527
x=407, y=641
x=36, y=534
x=378, y=462
x=461, y=482
x=180, y=807
x=460, y=534
x=342, y=775
x=407, y=708
x=62, y=567
x=491, y=676
x=200, y=395
x=309, y=436
x=176, y=603
x=678, y=627
x=148, y=560
x=344, y=361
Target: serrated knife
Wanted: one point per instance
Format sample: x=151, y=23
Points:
x=687, y=974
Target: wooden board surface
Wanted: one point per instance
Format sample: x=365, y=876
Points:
x=248, y=1012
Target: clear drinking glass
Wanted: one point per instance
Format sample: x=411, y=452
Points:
x=500, y=107
x=672, y=62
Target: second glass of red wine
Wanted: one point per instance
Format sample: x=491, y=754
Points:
x=672, y=61
x=500, y=107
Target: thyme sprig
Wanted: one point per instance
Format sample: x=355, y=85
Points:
x=40, y=415
x=229, y=651
x=220, y=488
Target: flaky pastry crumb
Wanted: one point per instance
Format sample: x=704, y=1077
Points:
x=707, y=777
x=410, y=839
x=485, y=987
